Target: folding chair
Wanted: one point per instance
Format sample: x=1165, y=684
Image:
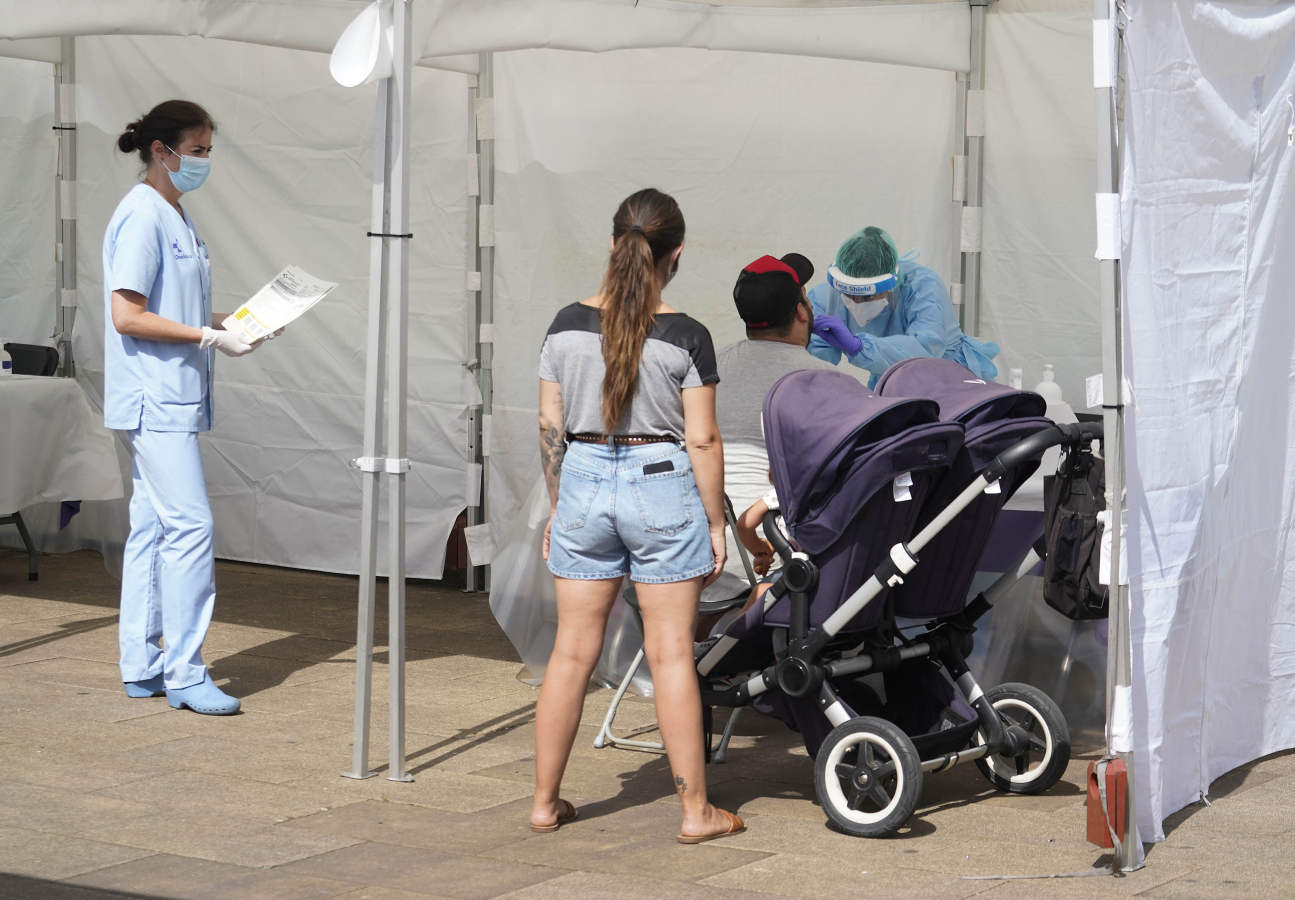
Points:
x=606, y=737
x=15, y=519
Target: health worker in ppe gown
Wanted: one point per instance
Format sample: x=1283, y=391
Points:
x=158, y=340
x=877, y=309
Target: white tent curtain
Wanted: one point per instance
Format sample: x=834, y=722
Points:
x=27, y=146
x=1039, y=296
x=1209, y=225
x=757, y=152
x=290, y=183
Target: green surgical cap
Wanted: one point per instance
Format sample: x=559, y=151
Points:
x=867, y=254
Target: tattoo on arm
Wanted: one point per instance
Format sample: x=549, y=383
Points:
x=553, y=447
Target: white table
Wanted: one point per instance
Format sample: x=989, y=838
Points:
x=53, y=446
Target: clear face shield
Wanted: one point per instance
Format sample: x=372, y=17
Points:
x=867, y=296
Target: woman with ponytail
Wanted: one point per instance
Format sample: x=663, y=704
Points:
x=157, y=388
x=634, y=468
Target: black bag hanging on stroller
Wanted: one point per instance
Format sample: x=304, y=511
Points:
x=1072, y=536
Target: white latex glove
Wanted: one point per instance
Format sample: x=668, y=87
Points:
x=227, y=342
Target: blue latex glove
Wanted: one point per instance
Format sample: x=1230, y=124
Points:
x=831, y=329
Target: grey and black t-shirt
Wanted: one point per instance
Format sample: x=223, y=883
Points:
x=677, y=354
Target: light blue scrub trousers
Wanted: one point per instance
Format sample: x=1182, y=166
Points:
x=168, y=584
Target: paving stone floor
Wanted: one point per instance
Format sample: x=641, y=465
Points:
x=104, y=796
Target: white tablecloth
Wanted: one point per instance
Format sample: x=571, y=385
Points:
x=53, y=446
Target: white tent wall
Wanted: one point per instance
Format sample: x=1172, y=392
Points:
x=1208, y=213
x=764, y=153
x=291, y=183
x=1039, y=297
x=28, y=147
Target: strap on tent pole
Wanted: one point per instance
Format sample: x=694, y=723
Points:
x=1128, y=855
x=65, y=194
x=397, y=357
x=374, y=364
x=969, y=232
x=482, y=222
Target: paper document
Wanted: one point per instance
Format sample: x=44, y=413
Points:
x=287, y=296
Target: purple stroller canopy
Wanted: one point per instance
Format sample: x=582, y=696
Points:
x=833, y=444
x=962, y=396
x=996, y=417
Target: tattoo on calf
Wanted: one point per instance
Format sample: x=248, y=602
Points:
x=679, y=784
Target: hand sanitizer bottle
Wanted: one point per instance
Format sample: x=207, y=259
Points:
x=6, y=361
x=1048, y=388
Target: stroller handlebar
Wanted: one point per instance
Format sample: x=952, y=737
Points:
x=773, y=534
x=1033, y=446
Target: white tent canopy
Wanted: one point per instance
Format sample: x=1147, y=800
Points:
x=777, y=129
x=932, y=33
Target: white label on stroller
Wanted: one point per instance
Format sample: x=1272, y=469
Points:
x=903, y=487
x=994, y=487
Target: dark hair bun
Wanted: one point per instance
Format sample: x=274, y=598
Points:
x=126, y=143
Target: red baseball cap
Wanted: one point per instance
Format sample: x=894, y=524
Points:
x=768, y=289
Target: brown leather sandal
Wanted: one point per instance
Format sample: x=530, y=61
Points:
x=735, y=826
x=566, y=813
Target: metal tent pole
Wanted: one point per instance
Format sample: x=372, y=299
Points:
x=65, y=193
x=959, y=191
x=1119, y=648
x=397, y=463
x=374, y=363
x=482, y=216
x=972, y=212
x=474, y=490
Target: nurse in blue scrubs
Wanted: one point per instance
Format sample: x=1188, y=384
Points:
x=158, y=338
x=878, y=308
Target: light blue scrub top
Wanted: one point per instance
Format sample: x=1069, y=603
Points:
x=918, y=320
x=151, y=249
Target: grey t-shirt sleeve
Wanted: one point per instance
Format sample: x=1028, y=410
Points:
x=548, y=367
x=693, y=337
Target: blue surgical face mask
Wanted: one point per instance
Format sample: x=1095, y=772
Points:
x=192, y=173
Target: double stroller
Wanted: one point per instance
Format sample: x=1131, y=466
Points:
x=855, y=643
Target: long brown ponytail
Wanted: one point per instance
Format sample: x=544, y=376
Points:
x=647, y=227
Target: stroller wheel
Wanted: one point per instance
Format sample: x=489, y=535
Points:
x=868, y=777
x=1037, y=721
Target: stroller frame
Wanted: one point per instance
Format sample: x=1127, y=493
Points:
x=867, y=760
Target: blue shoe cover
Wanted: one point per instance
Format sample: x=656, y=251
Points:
x=203, y=697
x=149, y=687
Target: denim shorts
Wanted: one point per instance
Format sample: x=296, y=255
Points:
x=629, y=510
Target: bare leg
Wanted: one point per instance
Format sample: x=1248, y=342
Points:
x=582, y=617
x=669, y=617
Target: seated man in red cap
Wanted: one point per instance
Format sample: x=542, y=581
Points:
x=770, y=298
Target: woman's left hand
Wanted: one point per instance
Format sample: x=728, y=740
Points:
x=719, y=546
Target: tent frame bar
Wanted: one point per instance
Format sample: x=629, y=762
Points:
x=387, y=349
x=975, y=178
x=481, y=259
x=1128, y=856
x=65, y=204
